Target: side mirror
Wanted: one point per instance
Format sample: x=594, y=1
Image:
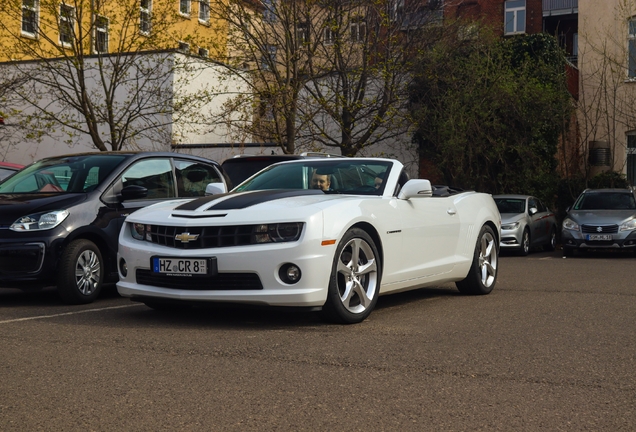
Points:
x=133, y=192
x=567, y=210
x=215, y=189
x=533, y=211
x=416, y=189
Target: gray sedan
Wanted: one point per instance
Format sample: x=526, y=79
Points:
x=600, y=219
x=525, y=223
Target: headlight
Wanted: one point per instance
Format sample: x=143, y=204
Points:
x=140, y=231
x=40, y=221
x=629, y=225
x=569, y=224
x=281, y=232
x=509, y=226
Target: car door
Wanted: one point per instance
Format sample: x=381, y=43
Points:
x=537, y=214
x=155, y=174
x=430, y=232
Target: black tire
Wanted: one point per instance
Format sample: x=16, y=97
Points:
x=353, y=287
x=482, y=276
x=524, y=249
x=81, y=273
x=551, y=246
x=568, y=252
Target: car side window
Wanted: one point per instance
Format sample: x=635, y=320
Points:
x=404, y=177
x=193, y=177
x=153, y=174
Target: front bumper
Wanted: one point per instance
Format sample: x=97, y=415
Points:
x=511, y=239
x=252, y=272
x=577, y=240
x=29, y=259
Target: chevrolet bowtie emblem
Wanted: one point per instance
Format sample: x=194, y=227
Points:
x=186, y=237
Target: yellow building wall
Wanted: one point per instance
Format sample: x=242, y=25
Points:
x=168, y=28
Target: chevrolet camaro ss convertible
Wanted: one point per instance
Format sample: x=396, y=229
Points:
x=327, y=234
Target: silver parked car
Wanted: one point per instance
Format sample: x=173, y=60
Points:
x=525, y=223
x=600, y=219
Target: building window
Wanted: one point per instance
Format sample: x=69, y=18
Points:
x=330, y=36
x=631, y=158
x=269, y=13
x=67, y=22
x=631, y=49
x=184, y=7
x=101, y=34
x=204, y=52
x=269, y=57
x=184, y=47
x=204, y=11
x=358, y=30
x=30, y=9
x=396, y=10
x=302, y=33
x=515, y=16
x=145, y=9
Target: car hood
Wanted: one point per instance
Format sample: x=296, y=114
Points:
x=507, y=218
x=14, y=206
x=596, y=217
x=240, y=207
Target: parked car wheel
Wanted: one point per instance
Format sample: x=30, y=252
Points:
x=482, y=275
x=81, y=274
x=551, y=246
x=355, y=279
x=524, y=249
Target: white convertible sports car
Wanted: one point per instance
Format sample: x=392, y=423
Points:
x=329, y=234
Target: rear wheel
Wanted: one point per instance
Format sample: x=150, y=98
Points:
x=552, y=241
x=81, y=273
x=482, y=275
x=354, y=285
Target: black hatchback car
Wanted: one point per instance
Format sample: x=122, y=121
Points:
x=60, y=217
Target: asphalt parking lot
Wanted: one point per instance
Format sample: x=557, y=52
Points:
x=552, y=348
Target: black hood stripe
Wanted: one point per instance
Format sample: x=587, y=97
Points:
x=196, y=203
x=241, y=201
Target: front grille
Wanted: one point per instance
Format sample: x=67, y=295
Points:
x=222, y=281
x=208, y=237
x=604, y=229
x=26, y=258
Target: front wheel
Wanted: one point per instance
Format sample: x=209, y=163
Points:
x=524, y=249
x=482, y=275
x=81, y=273
x=354, y=284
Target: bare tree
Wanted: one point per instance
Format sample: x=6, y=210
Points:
x=103, y=69
x=325, y=73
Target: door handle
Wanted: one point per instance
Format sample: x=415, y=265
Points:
x=451, y=211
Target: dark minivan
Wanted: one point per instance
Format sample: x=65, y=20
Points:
x=60, y=217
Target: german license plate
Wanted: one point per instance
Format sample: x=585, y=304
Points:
x=599, y=237
x=180, y=266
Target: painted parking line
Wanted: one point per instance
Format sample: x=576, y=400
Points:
x=68, y=313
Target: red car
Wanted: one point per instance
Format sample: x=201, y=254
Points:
x=8, y=168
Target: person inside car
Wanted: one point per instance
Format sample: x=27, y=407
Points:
x=320, y=181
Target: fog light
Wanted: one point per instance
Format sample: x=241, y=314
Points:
x=123, y=267
x=289, y=273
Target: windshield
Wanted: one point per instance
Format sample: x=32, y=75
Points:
x=60, y=175
x=511, y=205
x=606, y=201
x=357, y=177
